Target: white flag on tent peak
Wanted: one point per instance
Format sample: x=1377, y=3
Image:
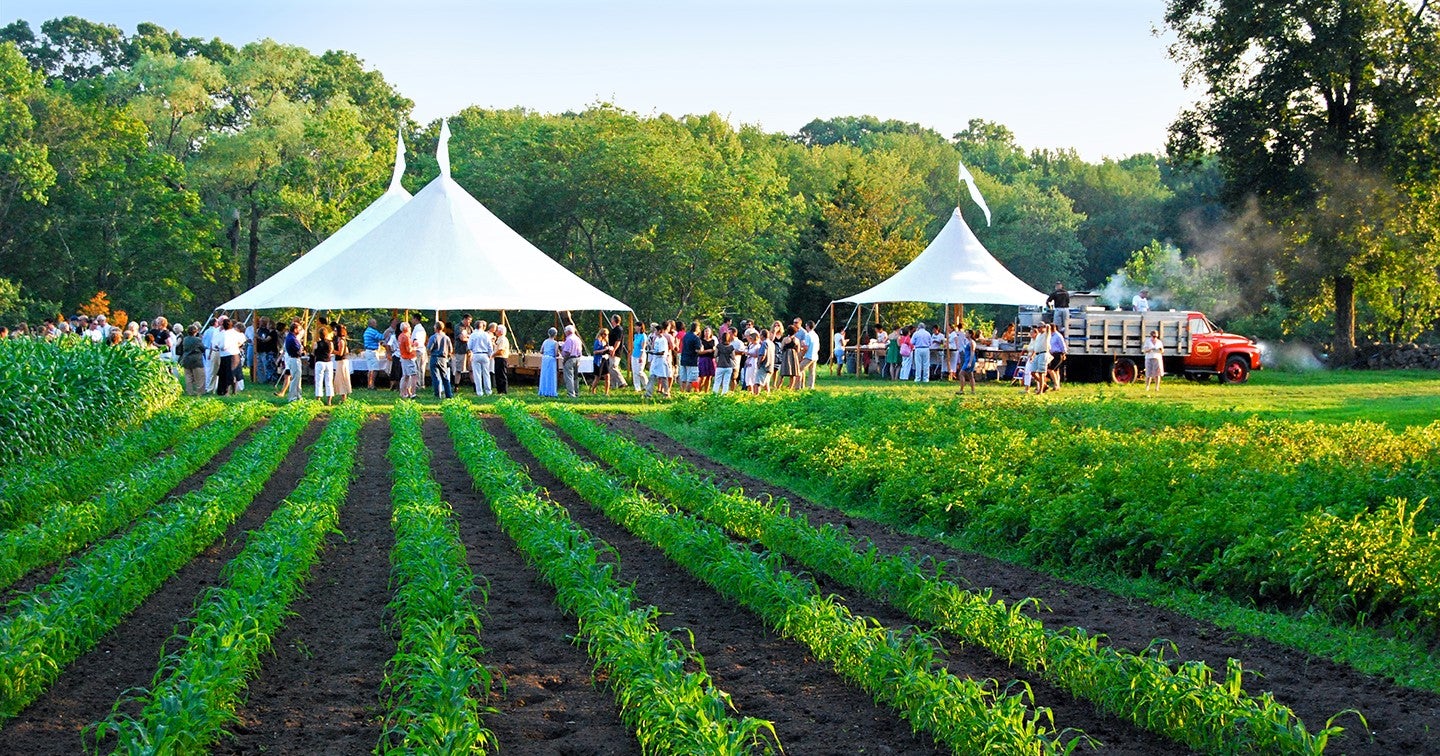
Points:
x=969, y=182
x=442, y=152
x=399, y=161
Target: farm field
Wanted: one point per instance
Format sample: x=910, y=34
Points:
x=566, y=578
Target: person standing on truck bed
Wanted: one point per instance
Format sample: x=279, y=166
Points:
x=1141, y=302
x=1059, y=301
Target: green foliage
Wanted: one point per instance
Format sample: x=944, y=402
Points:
x=1199, y=500
x=898, y=668
x=199, y=686
x=49, y=627
x=1187, y=702
x=1321, y=112
x=58, y=396
x=434, y=682
x=128, y=486
x=672, y=709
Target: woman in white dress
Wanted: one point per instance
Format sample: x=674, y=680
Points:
x=660, y=348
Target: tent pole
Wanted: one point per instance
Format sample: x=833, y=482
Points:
x=858, y=317
x=839, y=369
x=254, y=355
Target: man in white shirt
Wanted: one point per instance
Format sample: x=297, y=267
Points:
x=211, y=340
x=422, y=356
x=481, y=348
x=809, y=366
x=921, y=341
x=1141, y=302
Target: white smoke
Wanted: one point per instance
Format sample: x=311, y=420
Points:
x=1291, y=356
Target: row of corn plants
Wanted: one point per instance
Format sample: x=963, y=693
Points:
x=1188, y=702
x=32, y=488
x=66, y=527
x=58, y=396
x=47, y=628
x=672, y=710
x=198, y=687
x=1328, y=517
x=434, y=685
x=897, y=668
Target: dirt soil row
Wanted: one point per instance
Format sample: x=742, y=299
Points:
x=127, y=656
x=1401, y=720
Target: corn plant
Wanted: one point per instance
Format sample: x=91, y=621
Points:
x=33, y=488
x=47, y=628
x=672, y=710
x=434, y=683
x=898, y=669
x=59, y=395
x=66, y=527
x=198, y=687
x=1184, y=702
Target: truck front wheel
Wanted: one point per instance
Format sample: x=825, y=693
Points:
x=1237, y=369
x=1123, y=371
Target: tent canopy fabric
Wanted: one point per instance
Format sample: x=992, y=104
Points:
x=955, y=269
x=441, y=250
x=279, y=289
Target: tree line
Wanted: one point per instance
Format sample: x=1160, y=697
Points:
x=173, y=172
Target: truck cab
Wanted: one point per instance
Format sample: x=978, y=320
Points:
x=1215, y=352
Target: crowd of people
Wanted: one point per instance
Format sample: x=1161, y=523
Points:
x=915, y=353
x=663, y=358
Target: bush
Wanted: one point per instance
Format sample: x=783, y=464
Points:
x=55, y=395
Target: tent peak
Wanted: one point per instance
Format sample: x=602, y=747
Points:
x=442, y=151
x=399, y=161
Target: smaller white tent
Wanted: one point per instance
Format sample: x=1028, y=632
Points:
x=443, y=250
x=279, y=290
x=955, y=269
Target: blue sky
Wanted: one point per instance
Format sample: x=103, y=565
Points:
x=1088, y=75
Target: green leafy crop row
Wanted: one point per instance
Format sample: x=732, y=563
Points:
x=41, y=483
x=58, y=395
x=46, y=629
x=1236, y=507
x=435, y=680
x=198, y=687
x=1187, y=703
x=673, y=710
x=65, y=527
x=897, y=668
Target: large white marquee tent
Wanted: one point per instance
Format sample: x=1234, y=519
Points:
x=440, y=250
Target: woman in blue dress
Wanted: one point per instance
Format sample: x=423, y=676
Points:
x=549, y=351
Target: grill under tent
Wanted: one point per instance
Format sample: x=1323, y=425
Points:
x=955, y=269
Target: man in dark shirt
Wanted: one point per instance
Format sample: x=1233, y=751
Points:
x=690, y=358
x=1059, y=301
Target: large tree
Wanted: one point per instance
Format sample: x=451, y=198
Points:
x=1302, y=99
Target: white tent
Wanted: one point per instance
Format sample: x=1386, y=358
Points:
x=443, y=250
x=279, y=290
x=955, y=269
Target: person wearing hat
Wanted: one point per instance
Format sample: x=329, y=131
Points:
x=1154, y=350
x=1141, y=302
